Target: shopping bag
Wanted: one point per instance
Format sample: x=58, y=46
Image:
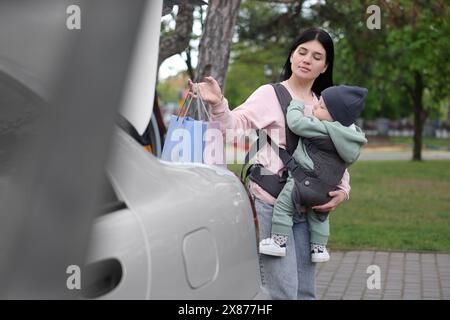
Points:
x=214, y=150
x=185, y=140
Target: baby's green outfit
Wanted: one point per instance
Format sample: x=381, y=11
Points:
x=347, y=141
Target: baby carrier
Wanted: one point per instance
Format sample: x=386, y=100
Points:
x=311, y=186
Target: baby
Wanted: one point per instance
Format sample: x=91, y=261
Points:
x=329, y=143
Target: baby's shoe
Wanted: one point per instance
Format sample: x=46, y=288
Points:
x=270, y=247
x=319, y=253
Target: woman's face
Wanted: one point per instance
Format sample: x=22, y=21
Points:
x=308, y=61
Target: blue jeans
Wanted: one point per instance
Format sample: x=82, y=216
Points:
x=291, y=277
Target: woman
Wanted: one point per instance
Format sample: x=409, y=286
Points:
x=307, y=71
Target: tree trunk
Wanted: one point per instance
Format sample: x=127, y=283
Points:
x=419, y=116
x=178, y=40
x=447, y=124
x=214, y=49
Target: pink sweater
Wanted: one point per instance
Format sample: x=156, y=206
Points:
x=262, y=111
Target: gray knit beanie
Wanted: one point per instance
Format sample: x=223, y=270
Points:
x=344, y=103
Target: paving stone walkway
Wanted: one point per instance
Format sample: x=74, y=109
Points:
x=403, y=275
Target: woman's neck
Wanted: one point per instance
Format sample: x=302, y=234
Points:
x=302, y=87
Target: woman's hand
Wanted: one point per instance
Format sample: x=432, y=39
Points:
x=209, y=91
x=337, y=196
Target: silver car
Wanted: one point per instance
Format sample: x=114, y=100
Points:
x=155, y=230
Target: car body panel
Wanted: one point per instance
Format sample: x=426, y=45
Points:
x=118, y=235
x=187, y=230
x=181, y=206
x=51, y=200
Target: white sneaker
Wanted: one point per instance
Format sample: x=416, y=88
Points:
x=270, y=247
x=319, y=253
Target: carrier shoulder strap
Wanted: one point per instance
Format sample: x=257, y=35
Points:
x=284, y=99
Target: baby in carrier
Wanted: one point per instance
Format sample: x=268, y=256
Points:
x=329, y=143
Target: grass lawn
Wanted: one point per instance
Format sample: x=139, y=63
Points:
x=395, y=205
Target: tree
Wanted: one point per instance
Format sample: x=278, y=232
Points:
x=176, y=41
x=423, y=46
x=265, y=31
x=263, y=22
x=214, y=48
x=417, y=42
x=404, y=64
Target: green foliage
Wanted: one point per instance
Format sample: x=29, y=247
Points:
x=246, y=73
x=167, y=92
x=412, y=39
x=265, y=31
x=169, y=89
x=262, y=22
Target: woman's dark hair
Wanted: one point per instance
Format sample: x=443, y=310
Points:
x=324, y=80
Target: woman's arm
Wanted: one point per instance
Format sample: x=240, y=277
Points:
x=337, y=196
x=254, y=113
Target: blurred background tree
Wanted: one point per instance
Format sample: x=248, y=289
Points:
x=403, y=64
x=215, y=44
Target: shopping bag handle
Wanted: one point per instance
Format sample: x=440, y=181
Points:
x=187, y=108
x=200, y=103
